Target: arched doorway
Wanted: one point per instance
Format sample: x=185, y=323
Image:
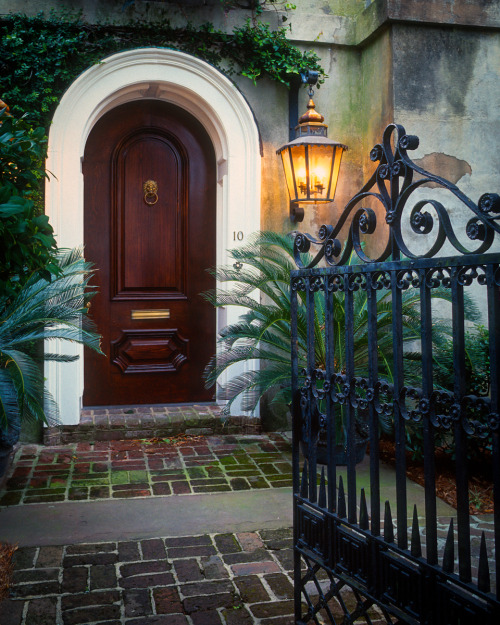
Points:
x=168, y=76
x=149, y=227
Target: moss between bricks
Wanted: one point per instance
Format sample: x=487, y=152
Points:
x=100, y=481
x=119, y=477
x=227, y=460
x=239, y=470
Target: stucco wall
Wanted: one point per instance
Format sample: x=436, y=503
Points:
x=439, y=81
x=446, y=90
x=446, y=83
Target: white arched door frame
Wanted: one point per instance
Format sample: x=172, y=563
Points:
x=174, y=77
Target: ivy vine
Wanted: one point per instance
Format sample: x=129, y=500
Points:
x=41, y=56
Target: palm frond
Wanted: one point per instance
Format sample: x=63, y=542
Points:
x=59, y=357
x=9, y=407
x=261, y=285
x=252, y=385
x=42, y=310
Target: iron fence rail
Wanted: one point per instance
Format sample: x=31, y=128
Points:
x=394, y=559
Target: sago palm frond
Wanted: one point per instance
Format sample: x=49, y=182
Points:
x=42, y=310
x=260, y=283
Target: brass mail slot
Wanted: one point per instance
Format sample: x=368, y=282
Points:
x=155, y=313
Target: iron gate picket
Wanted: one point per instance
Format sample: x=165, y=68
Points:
x=354, y=560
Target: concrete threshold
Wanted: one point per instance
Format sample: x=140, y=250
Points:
x=136, y=519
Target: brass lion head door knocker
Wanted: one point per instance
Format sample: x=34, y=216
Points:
x=150, y=188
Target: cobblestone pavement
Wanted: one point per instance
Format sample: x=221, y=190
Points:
x=218, y=579
x=147, y=468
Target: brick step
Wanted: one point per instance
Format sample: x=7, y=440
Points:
x=126, y=423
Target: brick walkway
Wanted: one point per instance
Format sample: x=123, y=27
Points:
x=230, y=579
x=204, y=579
x=219, y=579
x=147, y=468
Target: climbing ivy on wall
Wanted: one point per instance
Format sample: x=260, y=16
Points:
x=40, y=56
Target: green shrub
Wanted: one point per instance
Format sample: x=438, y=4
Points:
x=27, y=243
x=477, y=382
x=477, y=363
x=260, y=281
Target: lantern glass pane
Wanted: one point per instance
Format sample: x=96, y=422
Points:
x=287, y=167
x=320, y=168
x=338, y=151
x=298, y=153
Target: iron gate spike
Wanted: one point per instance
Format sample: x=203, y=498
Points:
x=416, y=546
x=449, y=551
x=483, y=572
x=388, y=528
x=363, y=512
x=341, y=507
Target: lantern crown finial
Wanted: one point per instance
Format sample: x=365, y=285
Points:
x=311, y=115
x=311, y=122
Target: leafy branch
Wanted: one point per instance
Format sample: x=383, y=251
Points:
x=42, y=55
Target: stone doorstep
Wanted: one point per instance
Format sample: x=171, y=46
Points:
x=122, y=427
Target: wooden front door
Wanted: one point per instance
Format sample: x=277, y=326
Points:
x=149, y=176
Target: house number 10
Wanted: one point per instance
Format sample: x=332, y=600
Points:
x=238, y=236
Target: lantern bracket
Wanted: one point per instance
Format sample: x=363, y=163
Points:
x=296, y=213
x=309, y=77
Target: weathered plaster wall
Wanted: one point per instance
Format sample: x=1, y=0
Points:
x=321, y=17
x=376, y=109
x=447, y=91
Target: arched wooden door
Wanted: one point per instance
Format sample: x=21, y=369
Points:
x=150, y=219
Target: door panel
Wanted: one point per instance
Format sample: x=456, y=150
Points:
x=149, y=351
x=151, y=245
x=138, y=273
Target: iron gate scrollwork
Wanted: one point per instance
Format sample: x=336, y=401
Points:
x=362, y=555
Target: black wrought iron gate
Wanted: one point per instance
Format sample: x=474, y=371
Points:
x=394, y=342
